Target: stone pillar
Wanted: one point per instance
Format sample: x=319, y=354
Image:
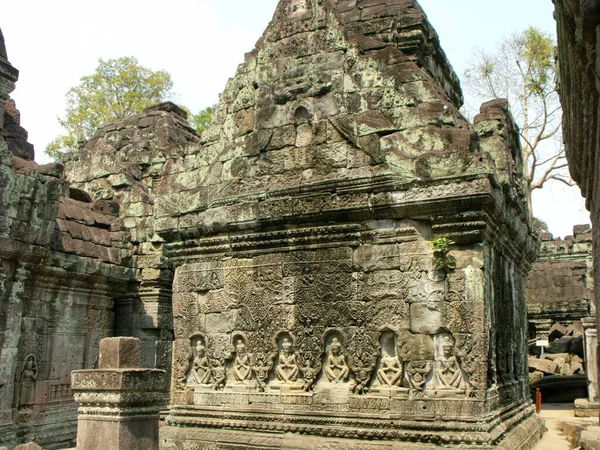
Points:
x=119, y=402
x=590, y=407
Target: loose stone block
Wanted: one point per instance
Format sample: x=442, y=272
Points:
x=120, y=353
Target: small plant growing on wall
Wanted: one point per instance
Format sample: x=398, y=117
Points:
x=443, y=260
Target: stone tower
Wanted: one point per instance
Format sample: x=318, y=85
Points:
x=314, y=299
x=339, y=259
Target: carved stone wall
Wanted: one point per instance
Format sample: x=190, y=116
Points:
x=577, y=32
x=560, y=286
x=559, y=300
x=62, y=262
x=281, y=265
x=305, y=282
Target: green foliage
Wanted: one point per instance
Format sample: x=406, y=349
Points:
x=441, y=251
x=201, y=120
x=537, y=50
x=522, y=65
x=117, y=88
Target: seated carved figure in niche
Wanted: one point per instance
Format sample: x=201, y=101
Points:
x=287, y=367
x=337, y=367
x=447, y=373
x=200, y=371
x=390, y=371
x=242, y=366
x=28, y=378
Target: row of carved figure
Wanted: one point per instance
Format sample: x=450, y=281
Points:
x=283, y=368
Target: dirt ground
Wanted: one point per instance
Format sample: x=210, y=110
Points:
x=553, y=414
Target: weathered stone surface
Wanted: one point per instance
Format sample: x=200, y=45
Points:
x=133, y=395
x=559, y=295
x=119, y=353
x=535, y=376
x=61, y=268
x=556, y=331
x=577, y=346
x=286, y=251
x=562, y=345
x=578, y=43
x=301, y=284
x=585, y=408
x=14, y=134
x=575, y=329
x=2, y=47
x=28, y=446
x=590, y=438
x=560, y=283
x=543, y=365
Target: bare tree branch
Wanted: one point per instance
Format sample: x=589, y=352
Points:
x=566, y=181
x=523, y=68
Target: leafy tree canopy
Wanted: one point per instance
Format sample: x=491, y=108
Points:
x=201, y=120
x=117, y=88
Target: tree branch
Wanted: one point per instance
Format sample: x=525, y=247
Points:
x=566, y=181
x=547, y=173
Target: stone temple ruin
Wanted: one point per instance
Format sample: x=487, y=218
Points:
x=280, y=266
x=578, y=44
x=561, y=311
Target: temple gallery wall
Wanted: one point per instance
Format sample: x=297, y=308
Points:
x=339, y=260
x=577, y=30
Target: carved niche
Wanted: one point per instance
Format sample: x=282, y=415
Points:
x=287, y=368
x=448, y=377
x=28, y=378
x=242, y=362
x=336, y=366
x=390, y=368
x=200, y=368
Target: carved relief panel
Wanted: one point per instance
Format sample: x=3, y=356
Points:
x=315, y=320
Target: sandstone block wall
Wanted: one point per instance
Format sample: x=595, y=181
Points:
x=299, y=233
x=280, y=265
x=578, y=44
x=560, y=286
x=124, y=165
x=300, y=222
x=559, y=299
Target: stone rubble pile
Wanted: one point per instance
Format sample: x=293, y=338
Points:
x=564, y=356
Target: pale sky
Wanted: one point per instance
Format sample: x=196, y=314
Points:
x=201, y=42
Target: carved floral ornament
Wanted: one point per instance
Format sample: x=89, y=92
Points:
x=368, y=363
